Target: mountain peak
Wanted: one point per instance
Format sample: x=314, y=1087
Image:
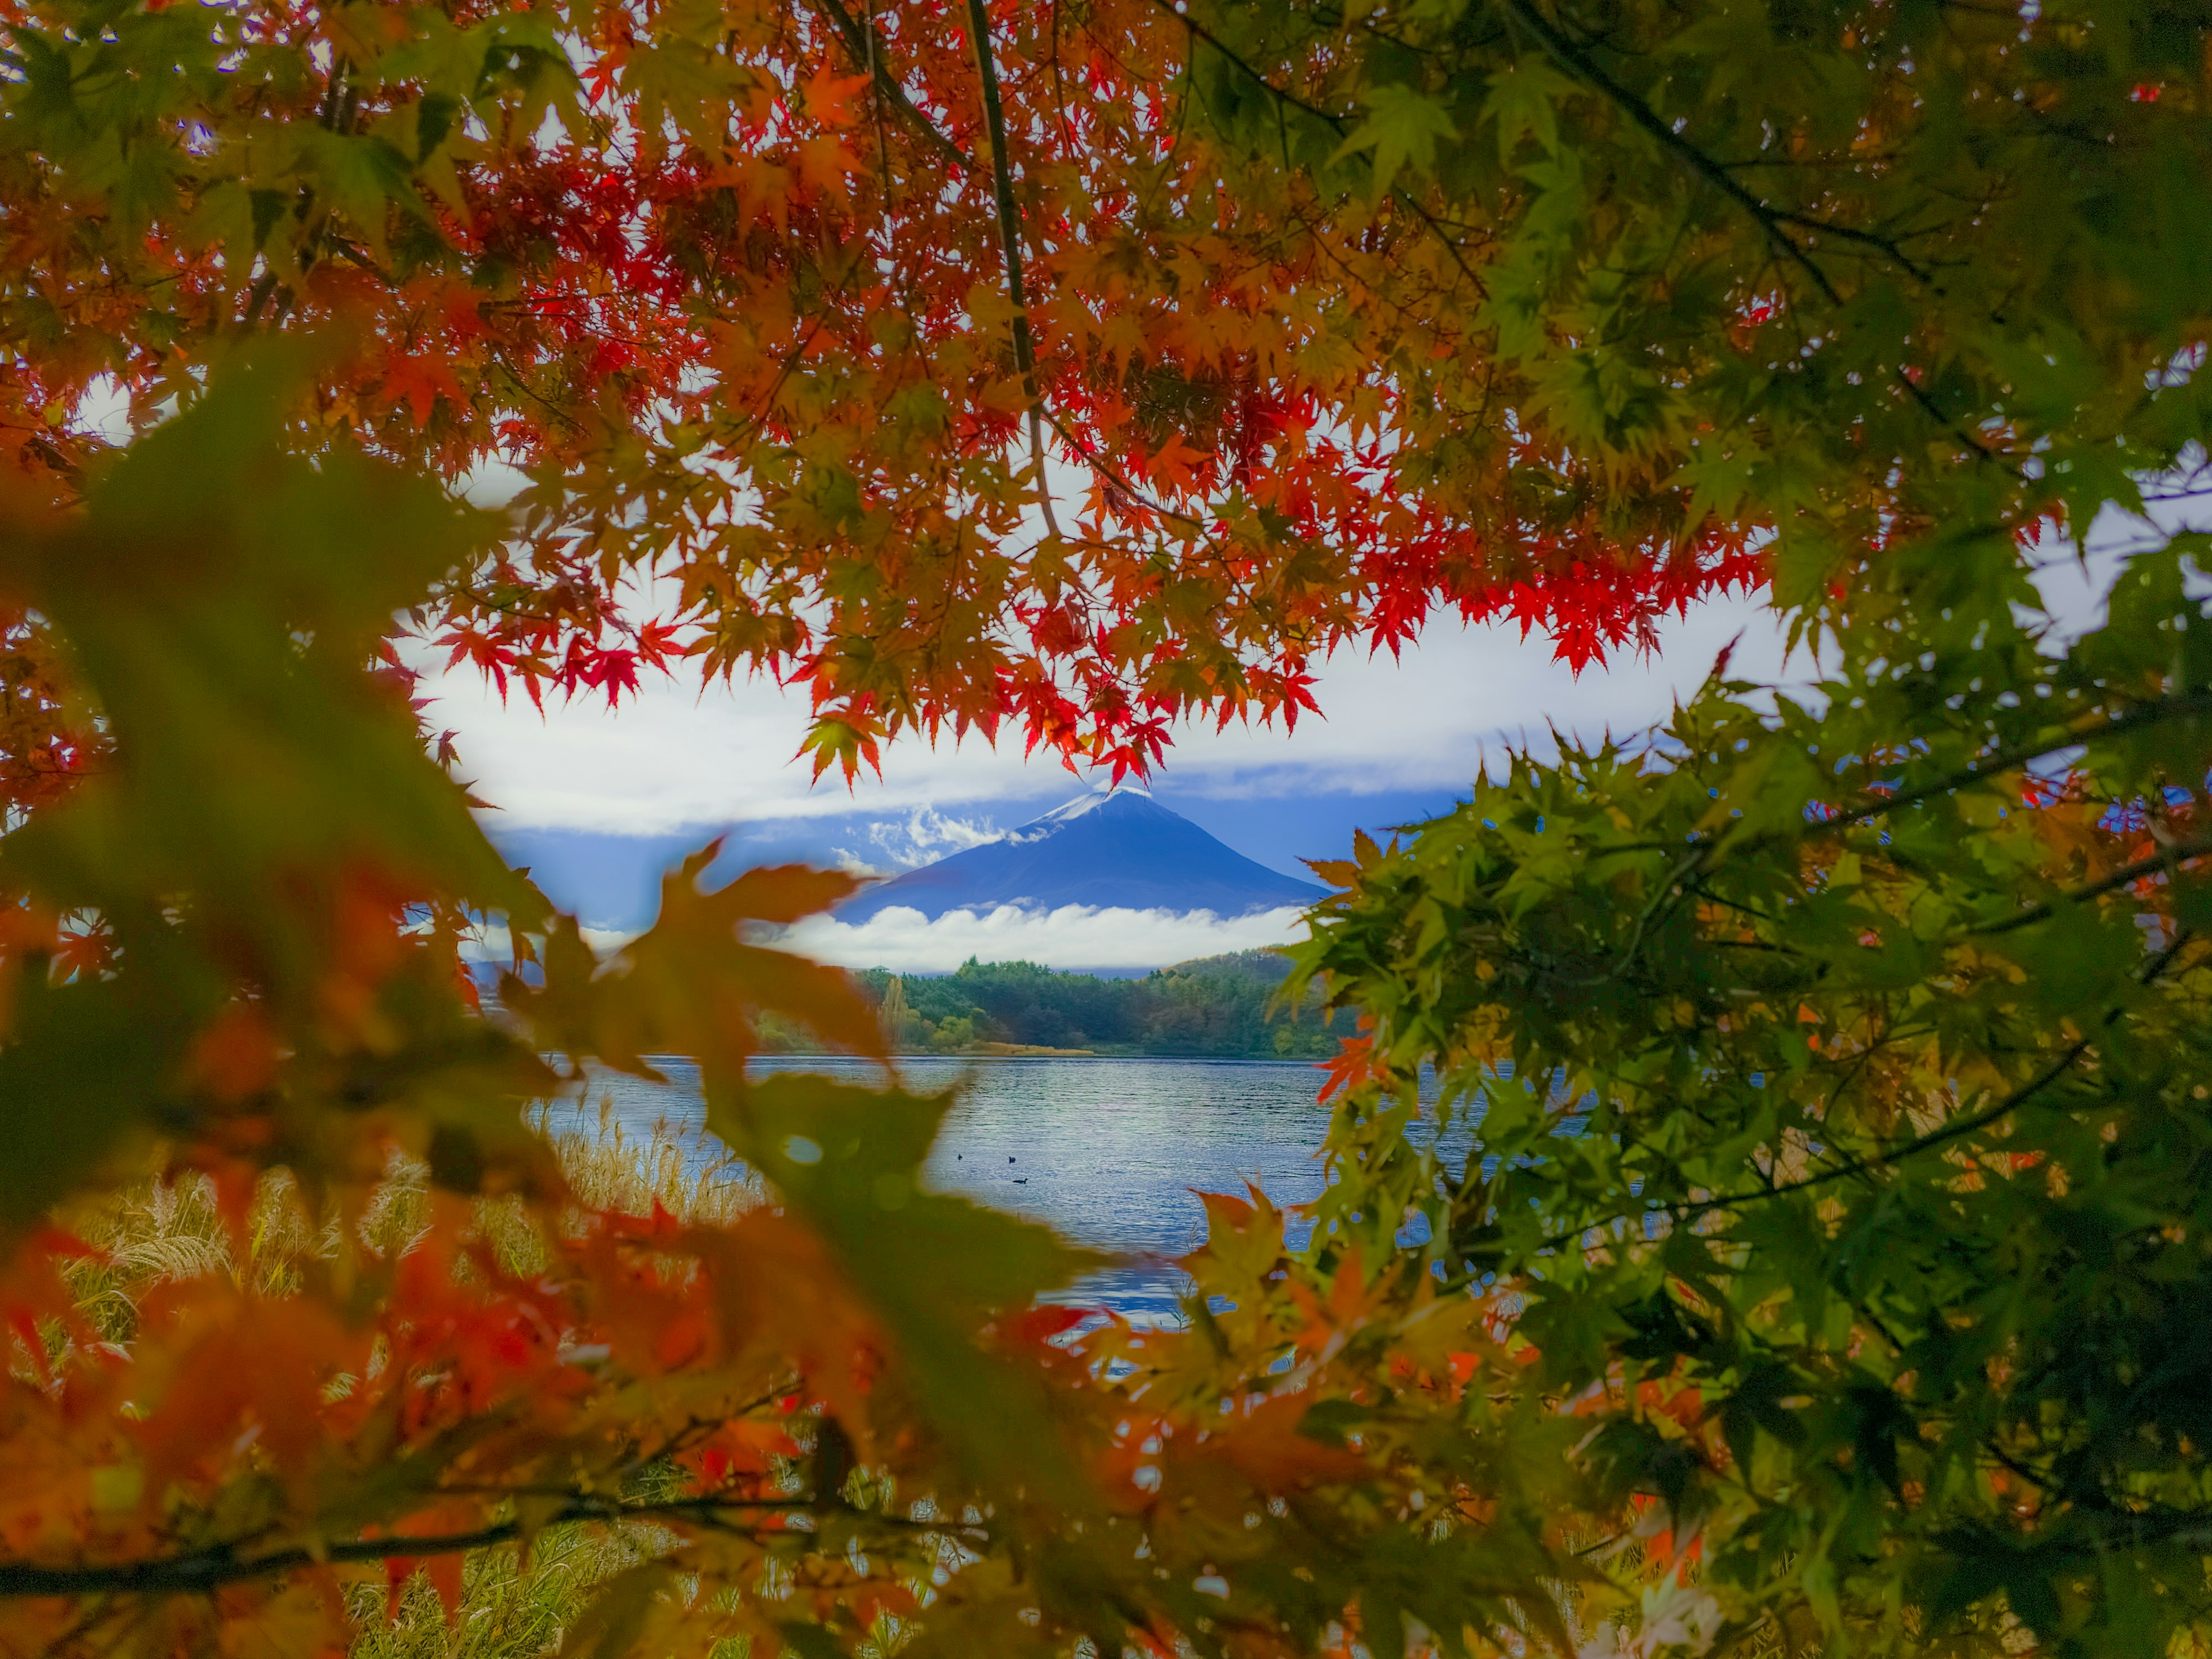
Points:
x=1089, y=801
x=1113, y=848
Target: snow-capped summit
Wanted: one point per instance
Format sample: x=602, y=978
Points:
x=1112, y=849
x=1067, y=812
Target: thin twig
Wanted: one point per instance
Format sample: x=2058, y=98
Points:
x=199, y=1570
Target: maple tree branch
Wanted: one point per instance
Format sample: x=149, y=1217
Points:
x=1010, y=239
x=1945, y=1133
x=1770, y=219
x=1002, y=191
x=1337, y=123
x=1684, y=877
x=1887, y=1157
x=1106, y=469
x=860, y=42
x=1934, y=410
x=199, y=1570
x=2007, y=760
x=2165, y=858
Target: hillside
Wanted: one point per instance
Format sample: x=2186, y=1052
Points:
x=1215, y=1008
x=1119, y=850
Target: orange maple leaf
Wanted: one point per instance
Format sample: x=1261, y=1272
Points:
x=828, y=98
x=418, y=381
x=1176, y=464
x=1351, y=1066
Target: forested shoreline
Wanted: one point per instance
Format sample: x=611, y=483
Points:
x=1215, y=1007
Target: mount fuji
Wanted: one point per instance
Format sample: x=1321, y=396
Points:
x=1117, y=849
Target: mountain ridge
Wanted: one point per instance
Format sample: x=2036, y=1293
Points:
x=1111, y=849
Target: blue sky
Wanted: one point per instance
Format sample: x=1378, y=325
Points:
x=600, y=804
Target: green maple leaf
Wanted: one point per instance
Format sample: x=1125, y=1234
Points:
x=1402, y=127
x=1523, y=100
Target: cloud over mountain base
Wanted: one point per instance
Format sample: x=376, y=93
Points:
x=1073, y=936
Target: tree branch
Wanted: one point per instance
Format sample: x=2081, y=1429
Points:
x=1010, y=239
x=2166, y=859
x=1889, y=1156
x=859, y=41
x=1769, y=220
x=1336, y=123
x=2007, y=760
x=199, y=1571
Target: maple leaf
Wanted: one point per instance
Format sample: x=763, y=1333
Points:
x=1402, y=128
x=827, y=97
x=418, y=381
x=1176, y=464
x=780, y=352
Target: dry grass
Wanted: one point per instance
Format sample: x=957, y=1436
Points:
x=510, y=1608
x=164, y=1231
x=609, y=1168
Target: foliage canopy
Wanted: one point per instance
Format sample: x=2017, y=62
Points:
x=1838, y=1225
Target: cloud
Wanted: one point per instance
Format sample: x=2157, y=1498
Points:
x=926, y=834
x=1073, y=936
x=682, y=756
x=492, y=942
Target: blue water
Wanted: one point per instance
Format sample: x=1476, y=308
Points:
x=1110, y=1152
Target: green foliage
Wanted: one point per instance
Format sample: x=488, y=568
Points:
x=1222, y=1008
x=1853, y=271
x=1842, y=1064
x=1840, y=1200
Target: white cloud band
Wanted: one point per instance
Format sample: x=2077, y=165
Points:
x=1073, y=936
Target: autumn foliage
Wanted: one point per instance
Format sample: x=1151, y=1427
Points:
x=827, y=1408
x=742, y=316
x=1829, y=1271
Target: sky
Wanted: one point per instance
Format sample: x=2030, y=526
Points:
x=599, y=803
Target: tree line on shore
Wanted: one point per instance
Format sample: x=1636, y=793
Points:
x=1216, y=1007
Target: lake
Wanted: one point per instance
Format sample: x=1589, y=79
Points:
x=1109, y=1151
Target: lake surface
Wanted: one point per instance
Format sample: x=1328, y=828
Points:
x=1111, y=1152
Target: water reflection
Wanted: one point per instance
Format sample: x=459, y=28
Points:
x=1112, y=1152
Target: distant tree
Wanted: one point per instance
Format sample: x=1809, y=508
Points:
x=954, y=1033
x=903, y=1028
x=1218, y=1006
